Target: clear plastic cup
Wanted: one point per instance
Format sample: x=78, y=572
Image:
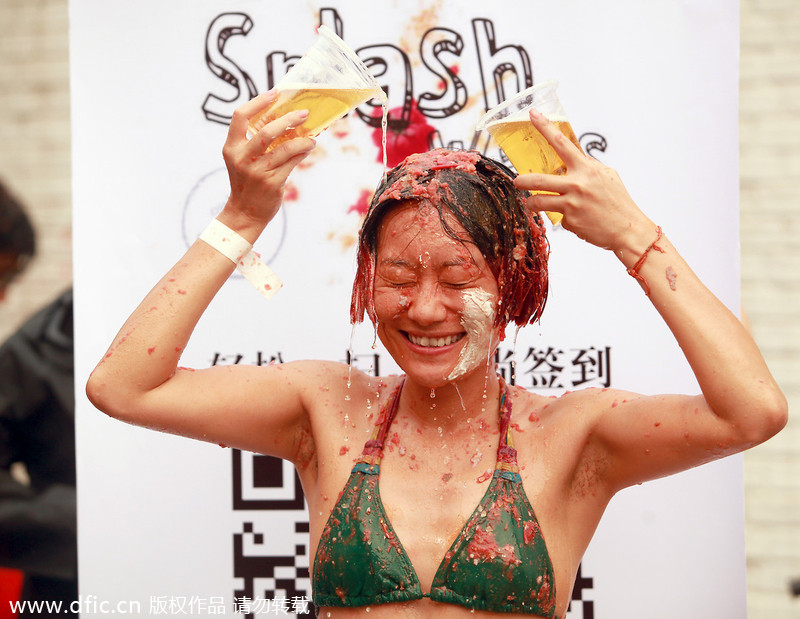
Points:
x=510, y=125
x=328, y=81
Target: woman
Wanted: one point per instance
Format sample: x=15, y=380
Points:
x=462, y=459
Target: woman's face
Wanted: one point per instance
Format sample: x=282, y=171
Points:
x=435, y=297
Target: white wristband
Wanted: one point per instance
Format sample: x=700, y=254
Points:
x=259, y=274
x=226, y=241
x=239, y=251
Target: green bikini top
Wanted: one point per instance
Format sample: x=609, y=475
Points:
x=498, y=562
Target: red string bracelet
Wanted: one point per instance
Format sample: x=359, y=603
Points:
x=634, y=270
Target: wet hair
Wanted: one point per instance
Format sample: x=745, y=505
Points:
x=17, y=237
x=479, y=193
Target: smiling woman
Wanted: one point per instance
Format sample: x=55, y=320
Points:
x=421, y=278
x=450, y=253
x=479, y=194
x=448, y=256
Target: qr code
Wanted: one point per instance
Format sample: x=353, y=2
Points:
x=271, y=560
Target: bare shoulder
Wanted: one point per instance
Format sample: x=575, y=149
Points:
x=338, y=382
x=561, y=431
x=342, y=399
x=577, y=409
x=343, y=406
x=626, y=438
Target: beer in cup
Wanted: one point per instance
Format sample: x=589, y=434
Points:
x=328, y=81
x=510, y=125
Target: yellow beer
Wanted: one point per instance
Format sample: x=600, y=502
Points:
x=528, y=149
x=324, y=105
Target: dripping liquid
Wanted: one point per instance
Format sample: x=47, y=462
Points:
x=350, y=355
x=458, y=392
x=384, y=130
x=350, y=360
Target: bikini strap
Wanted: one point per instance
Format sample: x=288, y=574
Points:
x=505, y=416
x=373, y=449
x=506, y=465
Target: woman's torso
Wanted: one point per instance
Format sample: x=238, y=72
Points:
x=433, y=474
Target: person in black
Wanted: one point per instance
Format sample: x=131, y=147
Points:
x=37, y=403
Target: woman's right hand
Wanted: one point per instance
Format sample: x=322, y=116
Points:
x=139, y=379
x=258, y=175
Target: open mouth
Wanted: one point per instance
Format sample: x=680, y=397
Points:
x=433, y=342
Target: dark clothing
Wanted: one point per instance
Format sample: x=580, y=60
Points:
x=37, y=427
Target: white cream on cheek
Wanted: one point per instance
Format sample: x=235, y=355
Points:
x=477, y=318
x=402, y=305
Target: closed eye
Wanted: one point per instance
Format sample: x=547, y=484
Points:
x=395, y=280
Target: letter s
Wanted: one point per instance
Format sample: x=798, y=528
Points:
x=435, y=42
x=215, y=108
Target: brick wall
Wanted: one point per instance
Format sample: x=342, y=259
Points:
x=35, y=163
x=35, y=144
x=770, y=219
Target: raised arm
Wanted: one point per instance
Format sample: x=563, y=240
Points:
x=647, y=437
x=138, y=379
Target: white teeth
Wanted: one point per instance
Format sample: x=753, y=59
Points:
x=433, y=342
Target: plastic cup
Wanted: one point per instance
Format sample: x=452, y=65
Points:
x=328, y=81
x=510, y=125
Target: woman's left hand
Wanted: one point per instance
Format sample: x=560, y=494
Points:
x=591, y=196
x=741, y=405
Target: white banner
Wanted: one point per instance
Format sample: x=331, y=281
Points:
x=180, y=527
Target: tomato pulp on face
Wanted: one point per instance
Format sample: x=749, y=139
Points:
x=421, y=277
